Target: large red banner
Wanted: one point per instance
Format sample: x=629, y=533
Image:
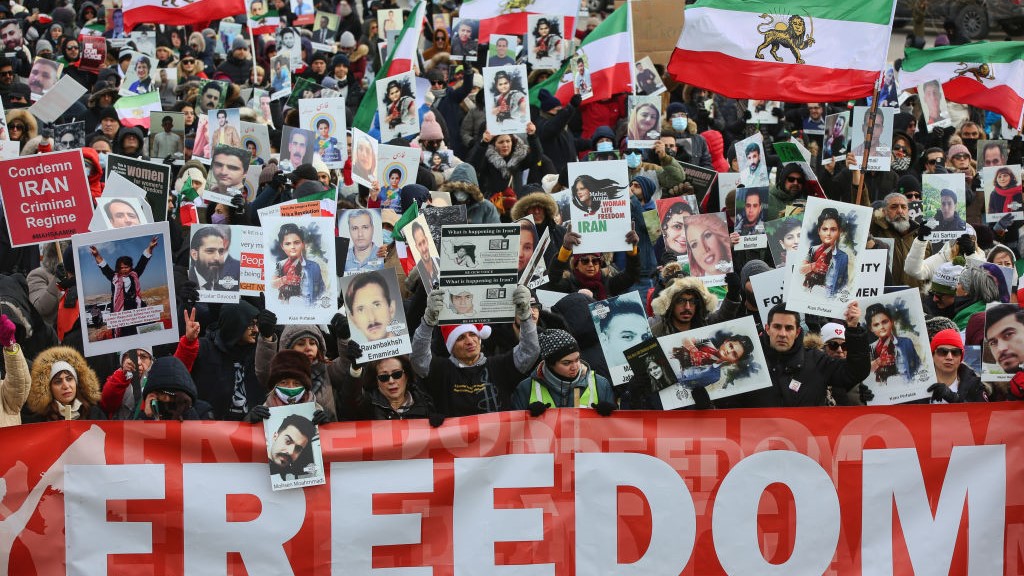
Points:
x=888, y=490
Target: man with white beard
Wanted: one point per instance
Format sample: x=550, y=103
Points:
x=893, y=221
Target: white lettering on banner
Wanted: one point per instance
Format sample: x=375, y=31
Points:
x=90, y=538
x=673, y=517
x=209, y=536
x=895, y=475
x=355, y=529
x=476, y=525
x=734, y=520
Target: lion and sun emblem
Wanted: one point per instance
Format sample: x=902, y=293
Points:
x=791, y=34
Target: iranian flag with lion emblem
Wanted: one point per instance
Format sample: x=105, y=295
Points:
x=988, y=75
x=804, y=51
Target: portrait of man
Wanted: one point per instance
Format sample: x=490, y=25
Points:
x=211, y=97
x=1004, y=334
x=224, y=134
x=120, y=213
x=431, y=265
x=11, y=35
x=299, y=149
x=212, y=268
x=623, y=326
x=42, y=77
x=994, y=153
x=371, y=307
x=257, y=8
x=464, y=43
x=287, y=445
x=165, y=142
x=933, y=103
x=891, y=355
x=69, y=136
x=646, y=79
x=324, y=32
x=363, y=253
x=461, y=302
x=814, y=122
x=501, y=55
x=949, y=219
x=753, y=155
x=750, y=210
x=228, y=166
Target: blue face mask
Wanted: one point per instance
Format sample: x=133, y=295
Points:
x=388, y=239
x=679, y=124
x=103, y=161
x=604, y=146
x=633, y=160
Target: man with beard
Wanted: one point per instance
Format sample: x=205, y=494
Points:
x=750, y=220
x=228, y=168
x=892, y=220
x=1004, y=334
x=787, y=196
x=287, y=444
x=212, y=268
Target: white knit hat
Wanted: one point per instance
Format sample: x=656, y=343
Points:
x=831, y=331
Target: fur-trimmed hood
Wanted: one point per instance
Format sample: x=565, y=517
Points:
x=463, y=179
x=506, y=166
x=663, y=302
x=31, y=126
x=40, y=397
x=542, y=199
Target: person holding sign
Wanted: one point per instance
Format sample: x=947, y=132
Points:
x=586, y=270
x=826, y=265
x=125, y=289
x=563, y=380
x=373, y=309
x=588, y=192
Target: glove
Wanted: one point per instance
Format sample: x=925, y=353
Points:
x=571, y=239
x=1004, y=223
x=966, y=244
x=64, y=281
x=266, y=321
x=777, y=112
x=942, y=392
x=279, y=180
x=521, y=300
x=7, y=329
x=60, y=273
x=262, y=412
x=339, y=327
x=238, y=202
x=604, y=407
x=435, y=419
x=732, y=284
x=435, y=301
x=923, y=231
x=189, y=293
x=353, y=352
x=320, y=418
x=576, y=100
x=866, y=395
x=747, y=115
x=537, y=408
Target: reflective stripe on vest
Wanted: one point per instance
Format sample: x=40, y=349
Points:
x=540, y=393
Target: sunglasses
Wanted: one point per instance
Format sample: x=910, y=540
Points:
x=961, y=156
x=937, y=295
x=392, y=376
x=933, y=161
x=16, y=127
x=943, y=352
x=794, y=179
x=900, y=148
x=590, y=261
x=7, y=73
x=72, y=47
x=834, y=346
x=913, y=195
x=188, y=61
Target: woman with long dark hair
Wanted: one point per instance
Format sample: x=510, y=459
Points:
x=825, y=264
x=588, y=192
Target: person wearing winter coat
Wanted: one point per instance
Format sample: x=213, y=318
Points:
x=225, y=371
x=574, y=310
x=544, y=210
x=922, y=269
x=502, y=161
x=955, y=381
x=562, y=379
x=42, y=284
x=326, y=375
x=170, y=394
x=64, y=387
x=585, y=270
x=552, y=128
x=17, y=381
x=386, y=390
x=289, y=382
x=686, y=304
x=465, y=189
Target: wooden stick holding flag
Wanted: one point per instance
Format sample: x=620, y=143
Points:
x=867, y=139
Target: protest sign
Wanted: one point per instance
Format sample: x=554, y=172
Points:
x=1002, y=352
x=647, y=79
x=465, y=40
x=502, y=49
x=1001, y=186
x=46, y=197
x=423, y=251
x=620, y=323
x=376, y=316
x=836, y=142
x=727, y=183
x=396, y=167
x=299, y=268
x=296, y=147
x=293, y=447
x=546, y=43
x=325, y=117
x=643, y=128
x=648, y=363
x=992, y=152
x=653, y=224
x=9, y=149
x=751, y=204
x=880, y=148
x=125, y=288
x=724, y=358
x=870, y=280
x=944, y=206
x=599, y=207
x=783, y=236
x=562, y=200
x=153, y=177
x=901, y=358
x=166, y=135
x=709, y=247
x=673, y=213
x=478, y=265
x=250, y=274
x=224, y=125
x=506, y=99
x=438, y=216
x=532, y=267
x=256, y=139
x=702, y=179
x=68, y=136
x=364, y=165
x=769, y=289
x=94, y=53
x=57, y=100
x=117, y=212
x=833, y=236
x=226, y=181
x=753, y=167
x=362, y=230
x=215, y=262
x=933, y=105
x=763, y=111
x=397, y=106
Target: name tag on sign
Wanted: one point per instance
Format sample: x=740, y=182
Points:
x=794, y=385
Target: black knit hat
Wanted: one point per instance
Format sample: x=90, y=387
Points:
x=169, y=374
x=290, y=364
x=555, y=345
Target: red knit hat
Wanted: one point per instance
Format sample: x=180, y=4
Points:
x=948, y=337
x=451, y=333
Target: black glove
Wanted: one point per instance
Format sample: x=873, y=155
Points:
x=279, y=180
x=732, y=284
x=339, y=327
x=266, y=321
x=1004, y=223
x=747, y=115
x=238, y=202
x=966, y=245
x=576, y=100
x=63, y=280
x=777, y=112
x=701, y=399
x=604, y=407
x=923, y=231
x=321, y=417
x=435, y=419
x=189, y=293
x=261, y=412
x=537, y=408
x=942, y=392
x=353, y=352
x=866, y=395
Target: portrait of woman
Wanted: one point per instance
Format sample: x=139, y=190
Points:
x=1006, y=192
x=673, y=231
x=588, y=192
x=399, y=108
x=835, y=139
x=510, y=103
x=826, y=265
x=144, y=83
x=644, y=123
x=547, y=50
x=702, y=361
x=297, y=278
x=438, y=161
x=708, y=243
x=365, y=165
x=786, y=237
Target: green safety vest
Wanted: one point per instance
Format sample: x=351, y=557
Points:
x=539, y=393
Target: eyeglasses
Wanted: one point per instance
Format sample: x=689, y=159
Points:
x=6, y=72
x=590, y=261
x=934, y=161
x=834, y=346
x=794, y=179
x=392, y=376
x=688, y=302
x=900, y=148
x=943, y=352
x=72, y=47
x=933, y=295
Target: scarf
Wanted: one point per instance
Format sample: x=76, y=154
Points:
x=119, y=290
x=1007, y=193
x=292, y=272
x=564, y=386
x=281, y=398
x=822, y=258
x=505, y=166
x=594, y=284
x=62, y=410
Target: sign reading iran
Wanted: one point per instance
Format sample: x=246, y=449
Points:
x=887, y=490
x=46, y=197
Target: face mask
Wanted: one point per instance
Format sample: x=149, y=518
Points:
x=438, y=94
x=288, y=393
x=103, y=161
x=971, y=143
x=632, y=160
x=387, y=237
x=218, y=218
x=604, y=146
x=461, y=197
x=679, y=124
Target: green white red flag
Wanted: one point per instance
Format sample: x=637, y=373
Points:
x=988, y=75
x=796, y=51
x=505, y=18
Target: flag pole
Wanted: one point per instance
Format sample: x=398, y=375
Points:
x=867, y=140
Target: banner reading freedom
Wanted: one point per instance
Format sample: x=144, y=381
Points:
x=889, y=490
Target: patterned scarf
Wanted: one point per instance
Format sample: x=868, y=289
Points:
x=822, y=258
x=119, y=290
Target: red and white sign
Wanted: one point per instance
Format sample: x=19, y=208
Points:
x=46, y=197
x=888, y=490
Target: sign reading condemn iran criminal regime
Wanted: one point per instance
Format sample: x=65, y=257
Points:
x=46, y=197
